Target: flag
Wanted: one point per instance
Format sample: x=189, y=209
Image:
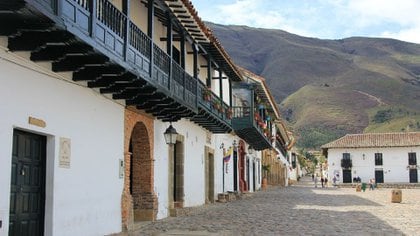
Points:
x=226, y=156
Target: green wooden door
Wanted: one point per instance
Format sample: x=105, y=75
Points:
x=27, y=193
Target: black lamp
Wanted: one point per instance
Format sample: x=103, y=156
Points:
x=170, y=135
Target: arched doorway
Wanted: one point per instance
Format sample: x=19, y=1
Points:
x=138, y=202
x=140, y=172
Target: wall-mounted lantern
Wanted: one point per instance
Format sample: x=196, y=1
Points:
x=170, y=135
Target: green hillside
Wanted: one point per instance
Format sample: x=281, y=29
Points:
x=327, y=88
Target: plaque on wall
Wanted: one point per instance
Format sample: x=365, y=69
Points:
x=64, y=153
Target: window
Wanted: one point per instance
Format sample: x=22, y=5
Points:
x=412, y=159
x=346, y=161
x=346, y=156
x=378, y=159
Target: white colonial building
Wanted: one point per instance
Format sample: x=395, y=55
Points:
x=385, y=157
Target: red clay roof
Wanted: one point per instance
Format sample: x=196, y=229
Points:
x=408, y=139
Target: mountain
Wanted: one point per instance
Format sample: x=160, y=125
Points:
x=327, y=88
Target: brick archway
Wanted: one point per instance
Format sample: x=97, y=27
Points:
x=139, y=202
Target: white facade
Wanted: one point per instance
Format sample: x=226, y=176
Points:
x=394, y=163
x=224, y=170
x=255, y=158
x=193, y=144
x=83, y=198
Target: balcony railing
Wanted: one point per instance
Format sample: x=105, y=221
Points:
x=100, y=24
x=246, y=123
x=110, y=16
x=139, y=40
x=346, y=163
x=280, y=148
x=213, y=104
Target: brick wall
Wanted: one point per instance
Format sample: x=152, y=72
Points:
x=141, y=203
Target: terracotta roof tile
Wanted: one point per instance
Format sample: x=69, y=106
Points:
x=408, y=139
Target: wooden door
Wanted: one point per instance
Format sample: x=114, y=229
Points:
x=379, y=176
x=346, y=176
x=235, y=171
x=27, y=193
x=413, y=176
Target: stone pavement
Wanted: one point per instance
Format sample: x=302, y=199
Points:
x=300, y=210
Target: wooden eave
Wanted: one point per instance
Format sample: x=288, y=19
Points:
x=188, y=17
x=262, y=91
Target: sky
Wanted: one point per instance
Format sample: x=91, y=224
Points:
x=324, y=19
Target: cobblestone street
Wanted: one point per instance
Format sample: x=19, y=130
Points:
x=300, y=210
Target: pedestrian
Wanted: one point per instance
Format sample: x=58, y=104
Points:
x=326, y=182
x=313, y=177
x=371, y=187
x=322, y=181
x=316, y=181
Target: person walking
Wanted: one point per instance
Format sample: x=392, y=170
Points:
x=326, y=182
x=316, y=181
x=322, y=181
x=371, y=184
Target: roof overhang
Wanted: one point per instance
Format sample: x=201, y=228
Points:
x=187, y=16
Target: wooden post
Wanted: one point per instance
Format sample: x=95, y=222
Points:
x=92, y=23
x=150, y=26
x=169, y=45
x=126, y=12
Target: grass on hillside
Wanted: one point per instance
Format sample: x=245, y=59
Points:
x=392, y=119
x=414, y=59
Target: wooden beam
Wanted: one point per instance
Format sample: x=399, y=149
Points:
x=174, y=38
x=209, y=71
x=179, y=11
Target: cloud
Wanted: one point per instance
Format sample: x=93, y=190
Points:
x=403, y=13
x=409, y=35
x=254, y=13
x=249, y=12
x=332, y=19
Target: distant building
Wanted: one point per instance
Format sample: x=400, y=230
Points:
x=387, y=157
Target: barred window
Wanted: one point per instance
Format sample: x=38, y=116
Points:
x=346, y=156
x=412, y=159
x=378, y=159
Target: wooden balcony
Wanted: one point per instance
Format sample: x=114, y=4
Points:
x=346, y=163
x=247, y=127
x=213, y=114
x=100, y=45
x=280, y=147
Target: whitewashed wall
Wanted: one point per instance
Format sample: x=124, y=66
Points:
x=255, y=157
x=84, y=199
x=194, y=174
x=395, y=161
x=224, y=169
x=258, y=163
